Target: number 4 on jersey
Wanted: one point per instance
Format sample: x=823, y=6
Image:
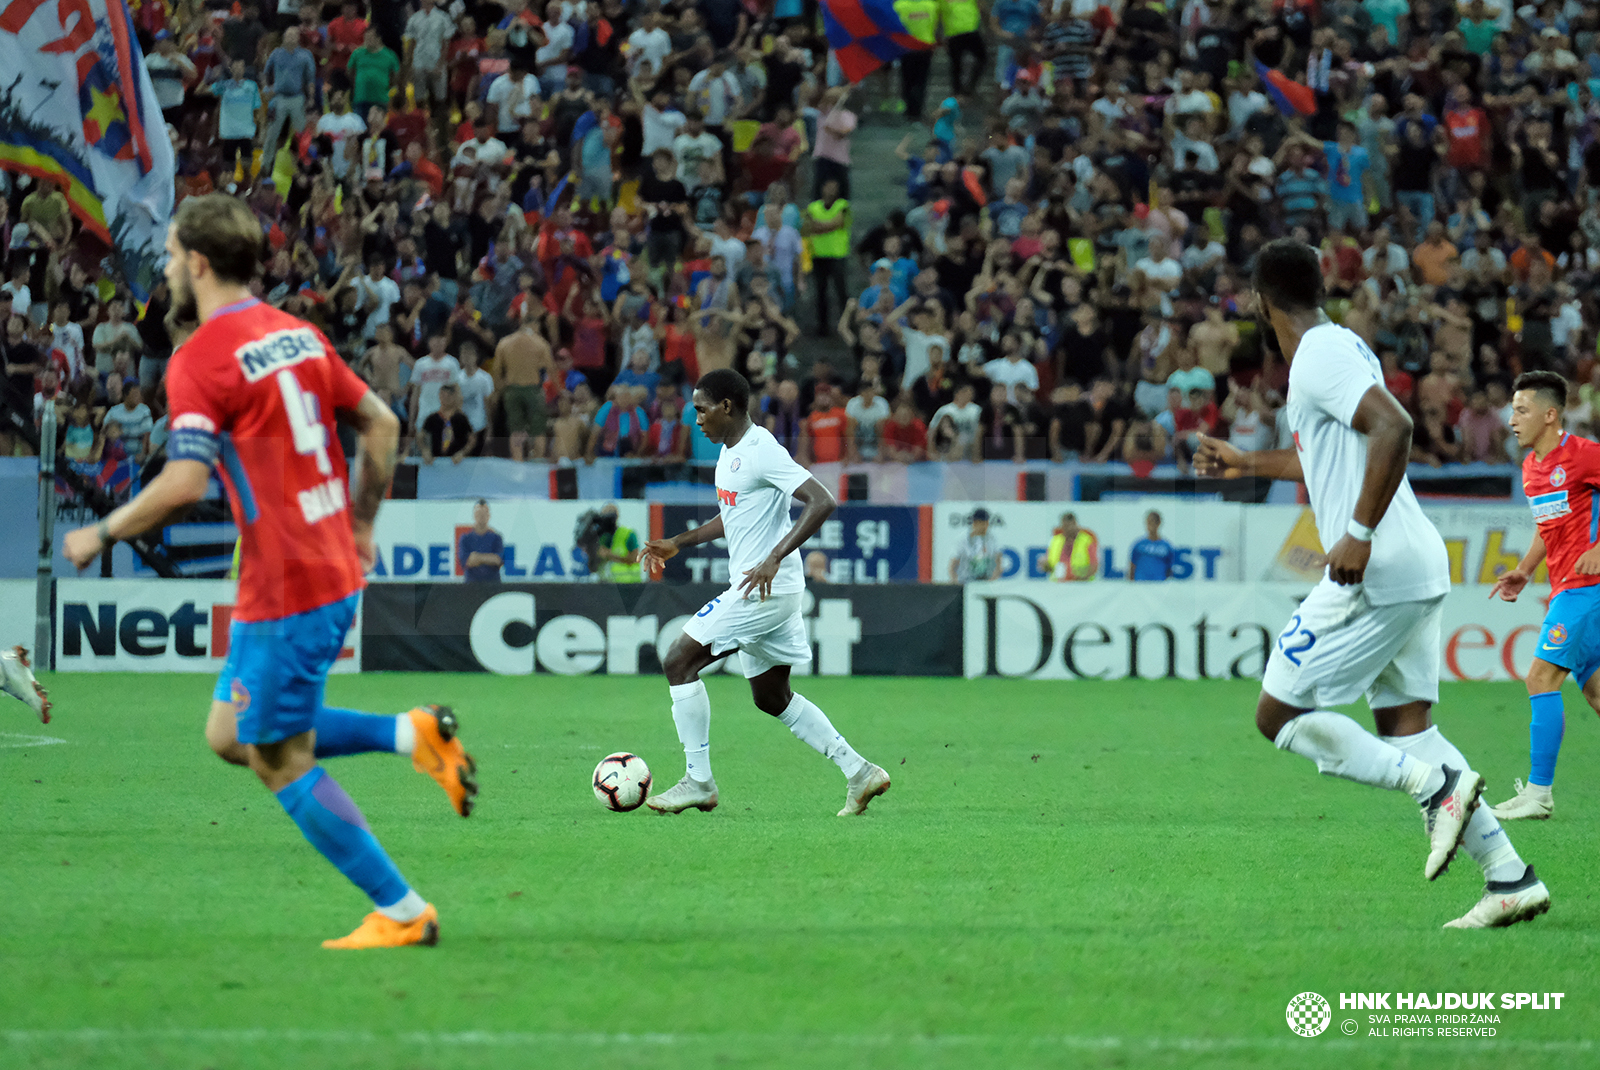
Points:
x=311, y=438
x=305, y=421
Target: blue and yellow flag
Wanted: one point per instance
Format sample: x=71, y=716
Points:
x=77, y=107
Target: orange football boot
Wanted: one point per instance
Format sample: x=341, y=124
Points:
x=380, y=930
x=440, y=754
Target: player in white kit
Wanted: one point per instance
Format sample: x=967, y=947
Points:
x=759, y=616
x=1371, y=626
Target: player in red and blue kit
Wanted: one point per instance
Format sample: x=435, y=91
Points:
x=1560, y=476
x=254, y=393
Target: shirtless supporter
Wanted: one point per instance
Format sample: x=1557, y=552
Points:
x=522, y=362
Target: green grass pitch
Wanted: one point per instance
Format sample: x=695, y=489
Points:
x=1081, y=875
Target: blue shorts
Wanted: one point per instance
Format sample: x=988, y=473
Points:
x=276, y=669
x=1570, y=637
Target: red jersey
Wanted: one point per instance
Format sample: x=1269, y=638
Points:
x=345, y=35
x=255, y=391
x=1468, y=134
x=827, y=430
x=1561, y=493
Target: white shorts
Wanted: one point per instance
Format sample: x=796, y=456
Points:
x=765, y=634
x=1339, y=647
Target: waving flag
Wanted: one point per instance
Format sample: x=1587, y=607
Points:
x=1290, y=96
x=866, y=34
x=77, y=106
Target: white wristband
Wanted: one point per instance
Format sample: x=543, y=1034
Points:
x=1359, y=531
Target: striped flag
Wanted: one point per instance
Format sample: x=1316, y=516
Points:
x=866, y=34
x=77, y=106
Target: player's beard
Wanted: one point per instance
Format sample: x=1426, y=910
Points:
x=184, y=307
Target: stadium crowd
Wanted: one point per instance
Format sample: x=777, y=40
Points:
x=532, y=227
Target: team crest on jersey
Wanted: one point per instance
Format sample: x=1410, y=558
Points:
x=1558, y=477
x=278, y=350
x=1556, y=635
x=733, y=465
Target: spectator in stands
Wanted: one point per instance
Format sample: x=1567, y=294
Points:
x=476, y=389
x=619, y=425
x=905, y=436
x=481, y=551
x=1040, y=237
x=429, y=376
x=446, y=432
x=133, y=418
x=667, y=441
x=953, y=432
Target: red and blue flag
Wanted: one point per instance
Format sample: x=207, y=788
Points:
x=866, y=34
x=1290, y=96
x=77, y=106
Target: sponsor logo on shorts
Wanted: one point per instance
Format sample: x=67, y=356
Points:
x=1549, y=506
x=1558, y=477
x=730, y=498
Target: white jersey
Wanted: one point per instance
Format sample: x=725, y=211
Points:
x=756, y=479
x=1332, y=370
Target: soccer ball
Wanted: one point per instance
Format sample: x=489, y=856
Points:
x=621, y=781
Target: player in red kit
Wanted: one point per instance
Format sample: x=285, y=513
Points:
x=1560, y=475
x=254, y=393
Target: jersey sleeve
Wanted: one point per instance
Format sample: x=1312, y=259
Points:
x=1591, y=464
x=198, y=416
x=780, y=470
x=1334, y=380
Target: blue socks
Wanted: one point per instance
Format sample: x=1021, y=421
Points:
x=1545, y=730
x=330, y=820
x=342, y=732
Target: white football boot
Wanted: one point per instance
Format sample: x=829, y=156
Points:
x=684, y=794
x=1532, y=801
x=1506, y=903
x=869, y=782
x=16, y=680
x=1445, y=817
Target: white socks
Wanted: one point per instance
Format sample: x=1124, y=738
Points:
x=811, y=726
x=1342, y=748
x=1485, y=840
x=407, y=909
x=405, y=741
x=691, y=713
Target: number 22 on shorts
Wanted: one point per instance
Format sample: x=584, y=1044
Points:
x=1295, y=640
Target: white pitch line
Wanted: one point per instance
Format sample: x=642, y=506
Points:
x=27, y=741
x=490, y=1039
